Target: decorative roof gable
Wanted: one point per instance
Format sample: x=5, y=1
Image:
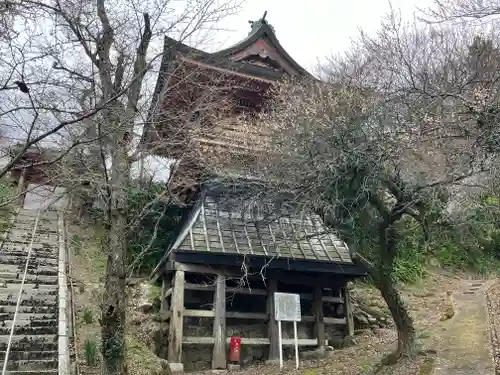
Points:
x=262, y=48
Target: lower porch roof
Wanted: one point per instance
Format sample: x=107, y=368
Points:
x=224, y=231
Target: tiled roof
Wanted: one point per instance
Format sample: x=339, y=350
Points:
x=223, y=227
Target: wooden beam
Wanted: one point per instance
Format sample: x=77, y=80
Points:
x=234, y=272
x=199, y=313
x=248, y=291
x=229, y=314
x=327, y=320
x=242, y=315
x=211, y=287
x=176, y=319
x=166, y=291
x=287, y=278
x=248, y=341
x=203, y=287
x=333, y=299
x=319, y=324
x=348, y=311
x=201, y=269
x=272, y=325
x=219, y=352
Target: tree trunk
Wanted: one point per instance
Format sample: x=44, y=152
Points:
x=115, y=300
x=400, y=314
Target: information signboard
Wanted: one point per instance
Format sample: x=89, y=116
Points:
x=287, y=309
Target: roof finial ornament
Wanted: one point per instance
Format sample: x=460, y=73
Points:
x=255, y=25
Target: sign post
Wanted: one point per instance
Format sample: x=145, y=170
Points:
x=287, y=309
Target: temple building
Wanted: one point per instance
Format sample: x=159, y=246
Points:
x=229, y=257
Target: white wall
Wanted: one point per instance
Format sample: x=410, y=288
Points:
x=45, y=196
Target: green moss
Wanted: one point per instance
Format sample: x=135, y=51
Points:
x=154, y=292
x=427, y=366
x=140, y=359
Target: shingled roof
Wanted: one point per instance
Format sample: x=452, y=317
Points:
x=219, y=227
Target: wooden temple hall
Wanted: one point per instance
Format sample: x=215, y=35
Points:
x=220, y=272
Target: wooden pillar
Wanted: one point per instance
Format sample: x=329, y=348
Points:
x=21, y=187
x=176, y=319
x=319, y=325
x=219, y=353
x=273, y=335
x=348, y=310
x=165, y=292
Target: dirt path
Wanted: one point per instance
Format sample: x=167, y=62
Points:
x=464, y=343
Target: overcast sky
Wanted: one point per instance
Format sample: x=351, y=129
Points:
x=312, y=29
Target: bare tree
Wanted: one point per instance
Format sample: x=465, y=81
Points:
x=406, y=115
x=83, y=69
x=456, y=10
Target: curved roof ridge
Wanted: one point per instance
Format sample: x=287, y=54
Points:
x=260, y=29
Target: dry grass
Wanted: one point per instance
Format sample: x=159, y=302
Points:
x=88, y=269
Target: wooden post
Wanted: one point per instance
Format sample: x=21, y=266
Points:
x=165, y=286
x=20, y=188
x=348, y=311
x=273, y=334
x=319, y=325
x=219, y=352
x=176, y=319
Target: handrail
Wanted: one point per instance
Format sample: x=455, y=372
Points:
x=30, y=247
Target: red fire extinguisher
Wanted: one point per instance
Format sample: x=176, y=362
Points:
x=234, y=349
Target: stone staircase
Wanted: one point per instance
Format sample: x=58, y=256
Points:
x=34, y=347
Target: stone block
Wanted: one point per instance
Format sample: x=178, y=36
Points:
x=176, y=368
x=313, y=354
x=233, y=367
x=272, y=362
x=349, y=341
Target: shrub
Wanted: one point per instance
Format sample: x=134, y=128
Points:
x=6, y=191
x=140, y=236
x=87, y=316
x=90, y=348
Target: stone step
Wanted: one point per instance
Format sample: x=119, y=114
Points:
x=25, y=221
x=28, y=309
x=38, y=299
x=36, y=254
x=27, y=231
x=13, y=269
x=32, y=365
x=34, y=344
x=31, y=215
x=37, y=245
x=28, y=287
x=15, y=243
x=32, y=279
x=7, y=259
x=27, y=316
x=30, y=342
x=26, y=330
x=16, y=355
x=43, y=322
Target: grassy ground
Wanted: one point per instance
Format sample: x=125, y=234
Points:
x=88, y=269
